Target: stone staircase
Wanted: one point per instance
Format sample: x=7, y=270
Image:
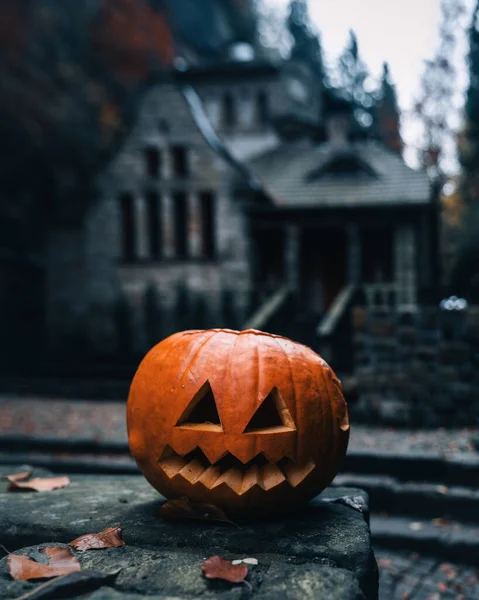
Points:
x=423, y=502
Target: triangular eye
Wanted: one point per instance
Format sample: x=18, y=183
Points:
x=202, y=409
x=272, y=413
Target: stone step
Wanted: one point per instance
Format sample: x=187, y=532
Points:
x=433, y=500
x=452, y=540
x=86, y=464
x=455, y=468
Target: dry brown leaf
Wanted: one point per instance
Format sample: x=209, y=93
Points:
x=109, y=538
x=61, y=561
x=18, y=476
x=182, y=508
x=216, y=567
x=39, y=484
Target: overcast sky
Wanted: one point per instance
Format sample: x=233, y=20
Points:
x=402, y=32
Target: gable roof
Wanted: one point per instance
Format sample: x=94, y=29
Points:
x=302, y=175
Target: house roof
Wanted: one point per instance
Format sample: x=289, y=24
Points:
x=302, y=175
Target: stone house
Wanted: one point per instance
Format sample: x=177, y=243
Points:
x=241, y=198
x=165, y=234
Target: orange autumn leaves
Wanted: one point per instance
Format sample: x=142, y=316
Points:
x=109, y=538
x=61, y=560
x=17, y=482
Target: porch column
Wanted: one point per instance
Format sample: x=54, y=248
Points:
x=405, y=267
x=291, y=257
x=141, y=226
x=353, y=267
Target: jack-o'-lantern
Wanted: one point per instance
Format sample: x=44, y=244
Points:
x=247, y=421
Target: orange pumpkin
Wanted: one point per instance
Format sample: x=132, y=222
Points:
x=247, y=420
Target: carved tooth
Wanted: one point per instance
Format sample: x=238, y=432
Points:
x=209, y=476
x=172, y=465
x=251, y=478
x=295, y=474
x=192, y=471
x=233, y=478
x=271, y=476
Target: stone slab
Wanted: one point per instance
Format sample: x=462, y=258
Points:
x=325, y=546
x=161, y=573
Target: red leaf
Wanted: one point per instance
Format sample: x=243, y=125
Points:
x=18, y=476
x=61, y=561
x=109, y=538
x=182, y=508
x=216, y=567
x=442, y=586
x=39, y=484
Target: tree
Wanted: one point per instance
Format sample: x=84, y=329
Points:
x=434, y=107
x=464, y=278
x=306, y=41
x=388, y=116
x=354, y=80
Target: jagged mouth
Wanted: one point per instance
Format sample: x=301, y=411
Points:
x=195, y=468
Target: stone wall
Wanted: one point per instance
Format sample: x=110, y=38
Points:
x=103, y=305
x=416, y=369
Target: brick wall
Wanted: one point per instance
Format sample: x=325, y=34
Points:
x=417, y=369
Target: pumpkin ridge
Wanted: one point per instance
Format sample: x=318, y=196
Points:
x=291, y=378
x=196, y=352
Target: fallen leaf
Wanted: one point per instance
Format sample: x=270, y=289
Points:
x=70, y=585
x=18, y=476
x=61, y=561
x=246, y=561
x=183, y=508
x=109, y=538
x=384, y=562
x=39, y=484
x=441, y=586
x=441, y=522
x=416, y=526
x=216, y=567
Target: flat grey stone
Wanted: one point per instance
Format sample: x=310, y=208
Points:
x=173, y=574
x=325, y=544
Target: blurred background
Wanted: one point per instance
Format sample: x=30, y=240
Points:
x=305, y=168
x=308, y=169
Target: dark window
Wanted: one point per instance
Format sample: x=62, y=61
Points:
x=263, y=108
x=153, y=162
x=180, y=161
x=154, y=224
x=180, y=212
x=229, y=110
x=207, y=211
x=128, y=230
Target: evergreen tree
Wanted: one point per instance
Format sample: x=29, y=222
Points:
x=353, y=78
x=306, y=41
x=388, y=114
x=464, y=277
x=469, y=141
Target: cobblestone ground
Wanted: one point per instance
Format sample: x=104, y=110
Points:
x=404, y=575
x=106, y=421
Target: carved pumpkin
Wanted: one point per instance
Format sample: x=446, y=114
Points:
x=247, y=421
